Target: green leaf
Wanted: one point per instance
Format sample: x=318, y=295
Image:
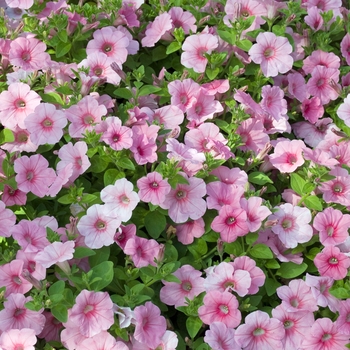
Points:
x=259, y=178
x=88, y=198
x=123, y=93
x=148, y=89
x=291, y=270
x=340, y=293
x=270, y=286
x=155, y=223
x=111, y=176
x=198, y=248
x=171, y=278
x=98, y=164
x=193, y=325
x=313, y=202
x=126, y=163
x=105, y=273
x=272, y=264
x=174, y=46
x=244, y=44
x=66, y=199
x=62, y=48
x=261, y=251
x=227, y=36
x=65, y=90
x=278, y=30
x=83, y=252
x=62, y=34
x=251, y=237
x=57, y=288
x=101, y=255
x=60, y=312
x=297, y=183
x=6, y=135
x=52, y=97
x=308, y=187
x=212, y=73
x=177, y=179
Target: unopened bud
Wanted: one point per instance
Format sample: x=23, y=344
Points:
x=119, y=71
x=28, y=277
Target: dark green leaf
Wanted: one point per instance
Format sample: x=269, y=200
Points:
x=259, y=178
x=111, y=176
x=60, y=312
x=297, y=183
x=123, y=93
x=291, y=270
x=155, y=223
x=148, y=89
x=126, y=163
x=62, y=48
x=57, y=288
x=244, y=44
x=82, y=252
x=261, y=251
x=193, y=325
x=104, y=272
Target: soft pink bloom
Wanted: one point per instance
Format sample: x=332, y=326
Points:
x=343, y=111
x=296, y=325
x=7, y=219
x=169, y=116
x=156, y=29
x=287, y=155
x=331, y=262
x=297, y=86
x=22, y=4
x=220, y=307
x=121, y=198
x=345, y=47
x=293, y=224
x=142, y=251
x=343, y=321
x=111, y=42
x=320, y=58
x=102, y=341
x=71, y=336
x=273, y=102
x=256, y=212
x=15, y=339
x=152, y=188
x=33, y=174
x=98, y=226
x=332, y=225
x=221, y=337
x=29, y=263
x=234, y=176
x=124, y=233
x=191, y=229
x=22, y=142
x=272, y=53
x=319, y=84
x=16, y=104
x=52, y=328
x=45, y=124
x=150, y=326
x=16, y=316
x=314, y=19
x=84, y=115
x=76, y=155
x=191, y=285
x=29, y=54
x=63, y=176
x=194, y=48
x=125, y=315
x=297, y=297
x=183, y=93
x=220, y=194
x=115, y=135
x=260, y=332
x=183, y=19
x=324, y=335
x=312, y=109
x=231, y=223
x=320, y=290
x=330, y=158
x=185, y=201
x=93, y=312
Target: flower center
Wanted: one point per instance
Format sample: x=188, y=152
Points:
x=258, y=332
x=26, y=56
x=29, y=176
x=287, y=223
x=224, y=309
x=20, y=104
x=269, y=52
x=115, y=138
x=198, y=109
x=288, y=324
x=107, y=48
x=124, y=199
x=230, y=220
x=323, y=287
x=22, y=138
x=186, y=286
x=333, y=261
x=98, y=71
x=330, y=231
x=338, y=188
x=245, y=13
x=100, y=225
x=294, y=302
x=180, y=194
x=291, y=159
x=19, y=312
x=326, y=337
x=47, y=123
x=16, y=280
x=183, y=99
x=320, y=82
x=88, y=308
x=88, y=119
x=154, y=184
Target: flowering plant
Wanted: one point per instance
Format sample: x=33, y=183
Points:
x=174, y=177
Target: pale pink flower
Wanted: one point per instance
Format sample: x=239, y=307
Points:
x=220, y=194
x=45, y=124
x=98, y=226
x=111, y=42
x=332, y=225
x=102, y=341
x=312, y=109
x=16, y=316
x=345, y=47
x=124, y=233
x=156, y=29
x=220, y=307
x=191, y=285
x=185, y=201
x=121, y=198
x=319, y=84
x=256, y=212
x=22, y=142
x=343, y=111
x=76, y=155
x=7, y=219
x=150, y=326
x=169, y=116
x=183, y=19
x=142, y=251
x=52, y=328
x=297, y=297
x=234, y=176
x=296, y=325
x=33, y=174
x=293, y=224
x=221, y=337
x=16, y=104
x=191, y=229
x=260, y=332
x=62, y=178
x=324, y=5
x=320, y=58
x=287, y=155
x=22, y=4
x=331, y=262
x=324, y=335
x=343, y=321
x=314, y=19
x=272, y=53
x=152, y=188
x=15, y=339
x=231, y=223
x=84, y=115
x=125, y=315
x=194, y=48
x=29, y=54
x=273, y=102
x=297, y=86
x=183, y=93
x=29, y=263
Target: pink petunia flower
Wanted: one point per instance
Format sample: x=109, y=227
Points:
x=7, y=219
x=124, y=233
x=297, y=86
x=343, y=111
x=331, y=262
x=312, y=109
x=272, y=53
x=98, y=226
x=221, y=337
x=33, y=174
x=191, y=229
x=260, y=332
x=220, y=307
x=234, y=176
x=45, y=124
x=152, y=188
x=156, y=29
x=150, y=326
x=324, y=335
x=220, y=194
x=22, y=142
x=183, y=19
x=194, y=48
x=16, y=104
x=15, y=339
x=345, y=47
x=183, y=93
x=191, y=285
x=292, y=224
x=22, y=4
x=16, y=316
x=102, y=341
x=320, y=58
x=273, y=102
x=343, y=321
x=314, y=19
